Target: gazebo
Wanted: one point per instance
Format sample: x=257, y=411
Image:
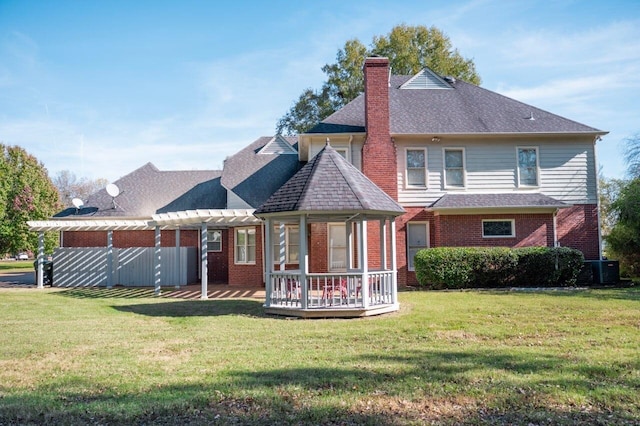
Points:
x=329, y=189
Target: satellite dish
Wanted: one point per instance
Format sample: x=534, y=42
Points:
x=77, y=202
x=113, y=190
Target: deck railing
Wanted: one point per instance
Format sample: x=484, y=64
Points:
x=331, y=290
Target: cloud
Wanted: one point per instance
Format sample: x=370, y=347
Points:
x=608, y=44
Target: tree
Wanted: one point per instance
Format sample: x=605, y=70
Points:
x=409, y=49
x=632, y=155
x=609, y=190
x=624, y=238
x=70, y=187
x=26, y=193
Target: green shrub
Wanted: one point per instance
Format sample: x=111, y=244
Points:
x=546, y=266
x=473, y=267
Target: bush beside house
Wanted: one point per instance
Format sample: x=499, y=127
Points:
x=480, y=267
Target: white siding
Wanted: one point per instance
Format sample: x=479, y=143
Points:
x=567, y=172
x=354, y=147
x=567, y=168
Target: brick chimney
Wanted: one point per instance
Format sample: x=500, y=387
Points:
x=379, y=151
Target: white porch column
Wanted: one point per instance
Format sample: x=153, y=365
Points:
x=394, y=263
x=110, y=258
x=157, y=261
x=268, y=266
x=365, y=264
x=40, y=269
x=383, y=244
x=349, y=254
x=304, y=261
x=178, y=260
x=203, y=261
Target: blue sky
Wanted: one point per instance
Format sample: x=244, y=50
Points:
x=102, y=87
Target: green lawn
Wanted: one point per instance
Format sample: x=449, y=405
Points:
x=86, y=357
x=13, y=265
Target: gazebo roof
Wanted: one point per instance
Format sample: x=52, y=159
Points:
x=329, y=183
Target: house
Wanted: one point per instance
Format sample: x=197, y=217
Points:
x=471, y=167
x=460, y=165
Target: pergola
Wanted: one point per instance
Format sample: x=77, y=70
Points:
x=329, y=189
x=189, y=219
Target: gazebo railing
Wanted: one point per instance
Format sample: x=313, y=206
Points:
x=331, y=290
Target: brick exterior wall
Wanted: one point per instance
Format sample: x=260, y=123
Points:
x=379, y=150
x=318, y=247
x=126, y=239
x=84, y=239
x=466, y=230
x=246, y=275
x=577, y=228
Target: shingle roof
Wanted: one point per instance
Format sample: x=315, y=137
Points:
x=329, y=183
x=463, y=109
x=147, y=191
x=254, y=176
x=508, y=200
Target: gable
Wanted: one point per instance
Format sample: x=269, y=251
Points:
x=277, y=145
x=426, y=79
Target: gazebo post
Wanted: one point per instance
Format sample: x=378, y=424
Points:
x=394, y=262
x=383, y=244
x=304, y=260
x=268, y=266
x=365, y=263
x=349, y=229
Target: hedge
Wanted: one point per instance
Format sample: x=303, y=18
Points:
x=477, y=267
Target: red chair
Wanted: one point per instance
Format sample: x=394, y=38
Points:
x=373, y=281
x=293, y=289
x=330, y=289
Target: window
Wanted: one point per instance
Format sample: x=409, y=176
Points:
x=245, y=245
x=344, y=152
x=498, y=228
x=337, y=247
x=416, y=167
x=417, y=239
x=214, y=240
x=291, y=244
x=454, y=168
x=528, y=166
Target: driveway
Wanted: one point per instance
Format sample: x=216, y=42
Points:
x=18, y=279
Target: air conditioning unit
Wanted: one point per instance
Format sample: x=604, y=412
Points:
x=605, y=271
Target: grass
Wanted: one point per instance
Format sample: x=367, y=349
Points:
x=16, y=265
x=80, y=357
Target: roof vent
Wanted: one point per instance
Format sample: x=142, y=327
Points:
x=531, y=117
x=450, y=79
x=426, y=79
